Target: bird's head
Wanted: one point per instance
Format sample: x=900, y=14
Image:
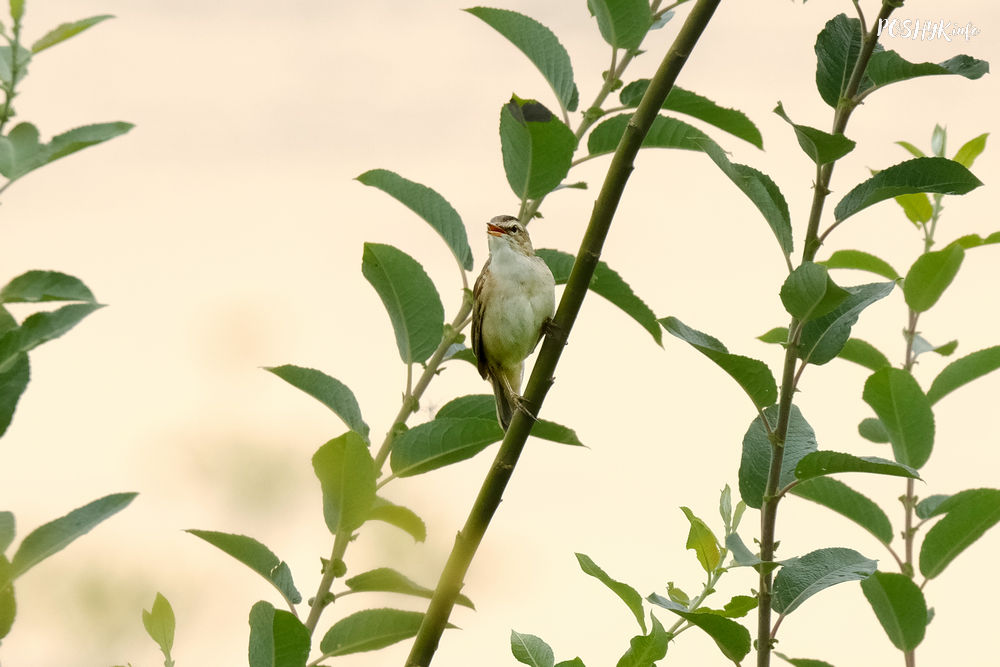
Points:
x=506, y=230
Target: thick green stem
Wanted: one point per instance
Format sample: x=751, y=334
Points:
x=810, y=246
x=468, y=540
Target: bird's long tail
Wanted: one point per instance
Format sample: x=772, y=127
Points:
x=505, y=407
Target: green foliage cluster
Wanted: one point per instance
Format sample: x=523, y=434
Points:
x=21, y=152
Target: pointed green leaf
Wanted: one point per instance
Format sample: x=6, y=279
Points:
x=346, y=473
x=628, y=595
x=277, y=638
x=541, y=47
x=8, y=603
x=410, y=298
x=623, y=23
x=66, y=30
x=756, y=460
x=924, y=174
x=820, y=146
x=930, y=276
x=823, y=338
x=387, y=580
x=701, y=540
x=975, y=240
x=329, y=391
x=607, y=283
x=931, y=506
x=864, y=354
x=537, y=148
x=401, y=517
x=257, y=557
x=887, y=67
x=37, y=286
x=369, y=630
x=644, y=650
x=802, y=662
x=862, y=261
x=761, y=190
x=40, y=328
x=575, y=662
x=962, y=371
x=691, y=104
x=873, y=429
x=777, y=335
x=808, y=292
x=938, y=139
x=56, y=535
x=917, y=207
x=7, y=530
x=839, y=497
x=429, y=205
x=731, y=637
x=905, y=411
x=531, y=650
x=483, y=406
x=441, y=442
x=14, y=377
x=803, y=577
x=968, y=514
x=821, y=463
x=837, y=48
x=665, y=132
x=900, y=607
x=911, y=149
x=970, y=150
x=752, y=375
x=160, y=624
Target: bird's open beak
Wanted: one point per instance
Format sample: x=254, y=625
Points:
x=495, y=230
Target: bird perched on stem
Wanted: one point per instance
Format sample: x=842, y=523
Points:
x=513, y=299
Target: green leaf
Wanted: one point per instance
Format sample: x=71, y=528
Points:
x=911, y=149
x=427, y=204
x=808, y=292
x=16, y=10
x=8, y=603
x=56, y=535
x=975, y=240
x=931, y=506
x=837, y=48
x=862, y=261
x=410, y=298
x=160, y=624
x=329, y=391
x=864, y=354
x=665, y=132
x=575, y=662
x=623, y=23
x=37, y=286
x=821, y=147
x=970, y=150
x=346, y=473
x=823, y=338
x=14, y=377
x=701, y=540
x=821, y=463
x=40, y=328
x=541, y=47
x=969, y=514
x=731, y=637
x=803, y=577
x=607, y=283
x=761, y=190
x=916, y=206
x=938, y=139
x=64, y=31
x=930, y=276
x=628, y=595
x=441, y=442
x=24, y=152
x=839, y=497
x=644, y=650
x=905, y=411
x=873, y=429
x=369, y=630
x=401, y=517
x=753, y=376
x=257, y=557
x=738, y=607
x=899, y=606
x=803, y=662
x=777, y=335
x=537, y=148
x=887, y=67
x=531, y=650
x=691, y=104
x=962, y=371
x=483, y=406
x=756, y=460
x=277, y=638
x=387, y=580
x=7, y=530
x=923, y=174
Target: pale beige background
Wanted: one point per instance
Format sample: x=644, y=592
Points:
x=225, y=233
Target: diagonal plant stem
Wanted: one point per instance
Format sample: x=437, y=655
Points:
x=789, y=379
x=468, y=540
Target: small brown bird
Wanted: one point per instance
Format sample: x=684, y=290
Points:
x=513, y=299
